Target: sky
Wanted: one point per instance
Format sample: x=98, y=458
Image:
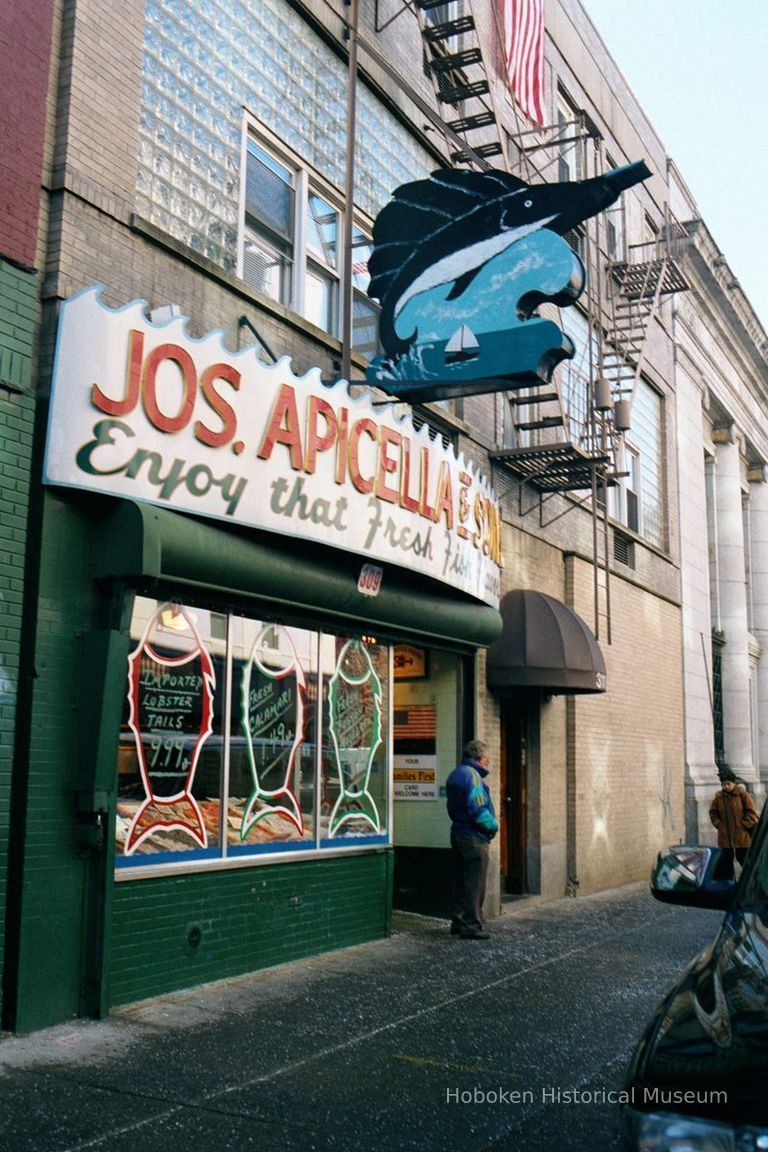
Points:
x=699, y=69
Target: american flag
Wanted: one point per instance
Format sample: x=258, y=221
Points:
x=524, y=54
x=414, y=723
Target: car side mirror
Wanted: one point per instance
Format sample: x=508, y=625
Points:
x=695, y=875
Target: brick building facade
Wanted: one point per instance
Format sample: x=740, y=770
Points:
x=25, y=39
x=199, y=165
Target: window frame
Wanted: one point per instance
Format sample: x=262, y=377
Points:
x=219, y=853
x=570, y=159
x=636, y=485
x=615, y=223
x=629, y=504
x=304, y=260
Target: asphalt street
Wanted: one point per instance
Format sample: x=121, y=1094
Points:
x=420, y=1041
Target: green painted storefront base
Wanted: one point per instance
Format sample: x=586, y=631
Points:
x=173, y=932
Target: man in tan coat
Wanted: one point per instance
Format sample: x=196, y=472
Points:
x=734, y=815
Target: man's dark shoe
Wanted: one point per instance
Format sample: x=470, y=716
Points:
x=455, y=929
x=475, y=935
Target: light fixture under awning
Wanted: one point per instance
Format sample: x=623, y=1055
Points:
x=543, y=644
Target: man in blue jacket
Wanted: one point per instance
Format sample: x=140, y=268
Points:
x=473, y=826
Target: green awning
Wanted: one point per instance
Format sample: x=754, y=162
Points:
x=140, y=541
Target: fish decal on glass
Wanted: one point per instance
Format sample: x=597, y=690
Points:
x=354, y=699
x=460, y=263
x=273, y=691
x=170, y=701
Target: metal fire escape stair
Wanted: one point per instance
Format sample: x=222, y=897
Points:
x=640, y=283
x=544, y=453
x=454, y=60
x=553, y=452
x=547, y=451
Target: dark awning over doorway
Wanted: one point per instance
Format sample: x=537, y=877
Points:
x=543, y=644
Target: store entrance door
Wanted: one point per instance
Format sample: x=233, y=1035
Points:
x=514, y=808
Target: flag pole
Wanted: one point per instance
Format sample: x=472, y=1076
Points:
x=349, y=188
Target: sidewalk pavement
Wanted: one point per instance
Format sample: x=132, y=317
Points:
x=420, y=1041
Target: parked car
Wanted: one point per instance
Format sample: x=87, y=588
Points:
x=697, y=1080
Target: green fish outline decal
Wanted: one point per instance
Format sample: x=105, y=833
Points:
x=352, y=803
x=287, y=806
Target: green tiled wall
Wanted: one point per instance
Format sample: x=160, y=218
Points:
x=17, y=314
x=175, y=932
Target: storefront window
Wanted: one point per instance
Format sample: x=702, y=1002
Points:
x=272, y=737
x=170, y=759
x=354, y=761
x=219, y=751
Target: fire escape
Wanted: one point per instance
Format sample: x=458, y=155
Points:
x=651, y=272
x=565, y=442
x=453, y=59
x=548, y=450
x=564, y=434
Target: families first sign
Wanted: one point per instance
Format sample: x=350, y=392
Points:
x=146, y=412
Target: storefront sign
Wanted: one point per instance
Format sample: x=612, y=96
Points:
x=415, y=777
x=145, y=411
x=461, y=262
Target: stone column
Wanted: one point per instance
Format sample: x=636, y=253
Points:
x=758, y=490
x=733, y=604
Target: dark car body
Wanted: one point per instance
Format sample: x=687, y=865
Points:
x=699, y=1076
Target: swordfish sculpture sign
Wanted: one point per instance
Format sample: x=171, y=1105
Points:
x=460, y=264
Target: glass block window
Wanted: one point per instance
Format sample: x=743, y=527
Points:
x=206, y=60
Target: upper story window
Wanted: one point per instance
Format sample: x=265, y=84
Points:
x=576, y=373
x=292, y=238
x=365, y=312
x=569, y=145
x=650, y=238
x=614, y=223
x=270, y=225
x=637, y=501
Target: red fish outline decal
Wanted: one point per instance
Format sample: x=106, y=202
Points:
x=194, y=825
